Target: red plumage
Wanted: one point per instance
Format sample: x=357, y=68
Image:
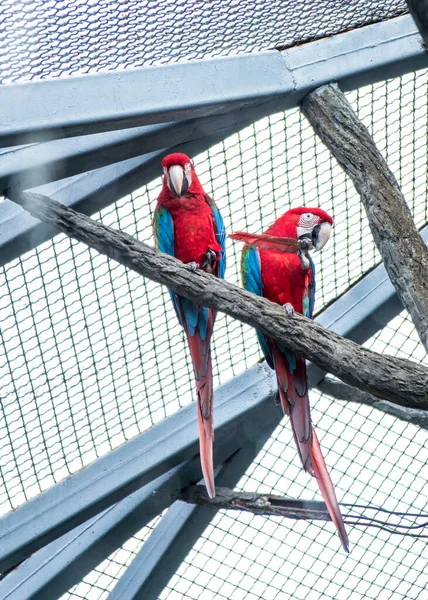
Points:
x=194, y=234
x=287, y=279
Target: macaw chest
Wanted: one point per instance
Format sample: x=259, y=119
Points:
x=284, y=279
x=194, y=235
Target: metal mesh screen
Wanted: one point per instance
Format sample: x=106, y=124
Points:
x=63, y=37
x=95, y=355
x=376, y=459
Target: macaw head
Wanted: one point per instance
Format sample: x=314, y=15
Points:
x=313, y=224
x=179, y=175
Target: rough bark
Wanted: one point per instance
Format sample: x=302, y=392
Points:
x=259, y=504
x=404, y=253
x=342, y=391
x=405, y=524
x=388, y=377
x=419, y=11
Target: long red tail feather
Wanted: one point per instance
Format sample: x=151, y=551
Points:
x=295, y=402
x=201, y=358
x=327, y=490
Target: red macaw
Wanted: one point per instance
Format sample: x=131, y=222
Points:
x=187, y=224
x=286, y=276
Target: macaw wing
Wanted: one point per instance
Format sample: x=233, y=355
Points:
x=252, y=281
x=220, y=235
x=308, y=300
x=163, y=229
x=191, y=316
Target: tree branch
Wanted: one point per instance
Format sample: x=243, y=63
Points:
x=401, y=523
x=388, y=377
x=342, y=391
x=404, y=253
x=258, y=504
x=419, y=12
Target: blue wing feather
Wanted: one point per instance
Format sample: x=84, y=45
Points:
x=252, y=281
x=195, y=317
x=221, y=237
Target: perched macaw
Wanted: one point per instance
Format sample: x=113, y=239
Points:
x=187, y=224
x=286, y=275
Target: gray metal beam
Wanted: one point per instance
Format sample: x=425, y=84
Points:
x=419, y=11
x=94, y=103
x=92, y=191
x=51, y=571
x=179, y=528
x=36, y=164
x=242, y=407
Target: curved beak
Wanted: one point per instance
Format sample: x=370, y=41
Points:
x=177, y=181
x=321, y=235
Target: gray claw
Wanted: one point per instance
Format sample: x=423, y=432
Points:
x=289, y=310
x=305, y=244
x=209, y=260
x=193, y=266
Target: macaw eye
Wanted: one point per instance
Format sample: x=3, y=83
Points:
x=308, y=216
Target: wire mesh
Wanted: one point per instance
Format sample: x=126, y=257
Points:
x=91, y=355
x=375, y=459
x=53, y=38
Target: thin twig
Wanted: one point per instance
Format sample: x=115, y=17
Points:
x=309, y=510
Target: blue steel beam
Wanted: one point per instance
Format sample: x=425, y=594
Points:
x=36, y=164
x=95, y=103
x=51, y=571
x=94, y=190
x=243, y=407
x=176, y=533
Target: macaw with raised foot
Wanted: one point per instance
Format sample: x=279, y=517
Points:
x=276, y=265
x=187, y=224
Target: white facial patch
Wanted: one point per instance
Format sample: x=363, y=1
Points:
x=306, y=223
x=188, y=173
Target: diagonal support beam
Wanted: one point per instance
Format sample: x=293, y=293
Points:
x=36, y=164
x=177, y=532
x=143, y=96
x=94, y=190
x=51, y=571
x=403, y=250
x=243, y=406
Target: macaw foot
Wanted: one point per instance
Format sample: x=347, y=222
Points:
x=277, y=400
x=193, y=266
x=289, y=310
x=305, y=244
x=209, y=260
